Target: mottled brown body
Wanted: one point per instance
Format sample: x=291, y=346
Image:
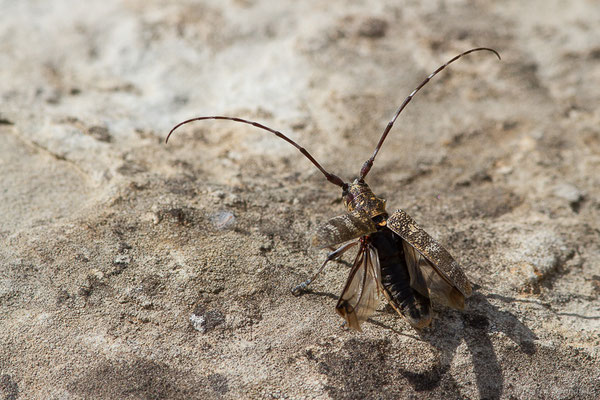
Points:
x=396, y=259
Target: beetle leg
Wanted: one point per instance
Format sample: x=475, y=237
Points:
x=298, y=289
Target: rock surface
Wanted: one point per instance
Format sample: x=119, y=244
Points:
x=134, y=269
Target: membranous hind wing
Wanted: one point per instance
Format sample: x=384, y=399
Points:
x=343, y=228
x=360, y=296
x=425, y=279
x=432, y=269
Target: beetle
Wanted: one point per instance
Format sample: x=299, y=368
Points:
x=396, y=258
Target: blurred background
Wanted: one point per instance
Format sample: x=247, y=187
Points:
x=134, y=269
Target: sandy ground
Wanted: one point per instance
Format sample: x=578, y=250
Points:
x=131, y=269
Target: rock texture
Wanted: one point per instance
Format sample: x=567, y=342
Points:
x=131, y=269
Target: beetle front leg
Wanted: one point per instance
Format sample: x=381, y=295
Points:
x=298, y=289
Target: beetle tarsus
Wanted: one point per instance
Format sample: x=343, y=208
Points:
x=298, y=290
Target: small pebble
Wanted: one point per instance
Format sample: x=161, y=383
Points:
x=568, y=192
x=223, y=219
x=122, y=259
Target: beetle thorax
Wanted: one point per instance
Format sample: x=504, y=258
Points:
x=359, y=196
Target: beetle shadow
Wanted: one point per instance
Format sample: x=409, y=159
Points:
x=473, y=326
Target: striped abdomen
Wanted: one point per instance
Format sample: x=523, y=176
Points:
x=395, y=278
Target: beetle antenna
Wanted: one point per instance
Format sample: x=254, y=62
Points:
x=336, y=180
x=369, y=163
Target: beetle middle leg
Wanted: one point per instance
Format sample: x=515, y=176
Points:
x=298, y=289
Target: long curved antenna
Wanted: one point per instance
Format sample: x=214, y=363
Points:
x=369, y=163
x=336, y=180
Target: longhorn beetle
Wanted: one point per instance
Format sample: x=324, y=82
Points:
x=395, y=257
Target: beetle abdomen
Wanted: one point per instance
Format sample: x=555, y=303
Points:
x=395, y=279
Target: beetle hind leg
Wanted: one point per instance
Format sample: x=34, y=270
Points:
x=298, y=289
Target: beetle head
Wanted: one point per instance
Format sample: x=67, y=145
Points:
x=359, y=196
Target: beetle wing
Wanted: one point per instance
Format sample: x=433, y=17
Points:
x=414, y=262
x=425, y=279
x=437, y=260
x=342, y=228
x=360, y=295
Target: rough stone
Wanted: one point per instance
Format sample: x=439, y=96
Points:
x=131, y=268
